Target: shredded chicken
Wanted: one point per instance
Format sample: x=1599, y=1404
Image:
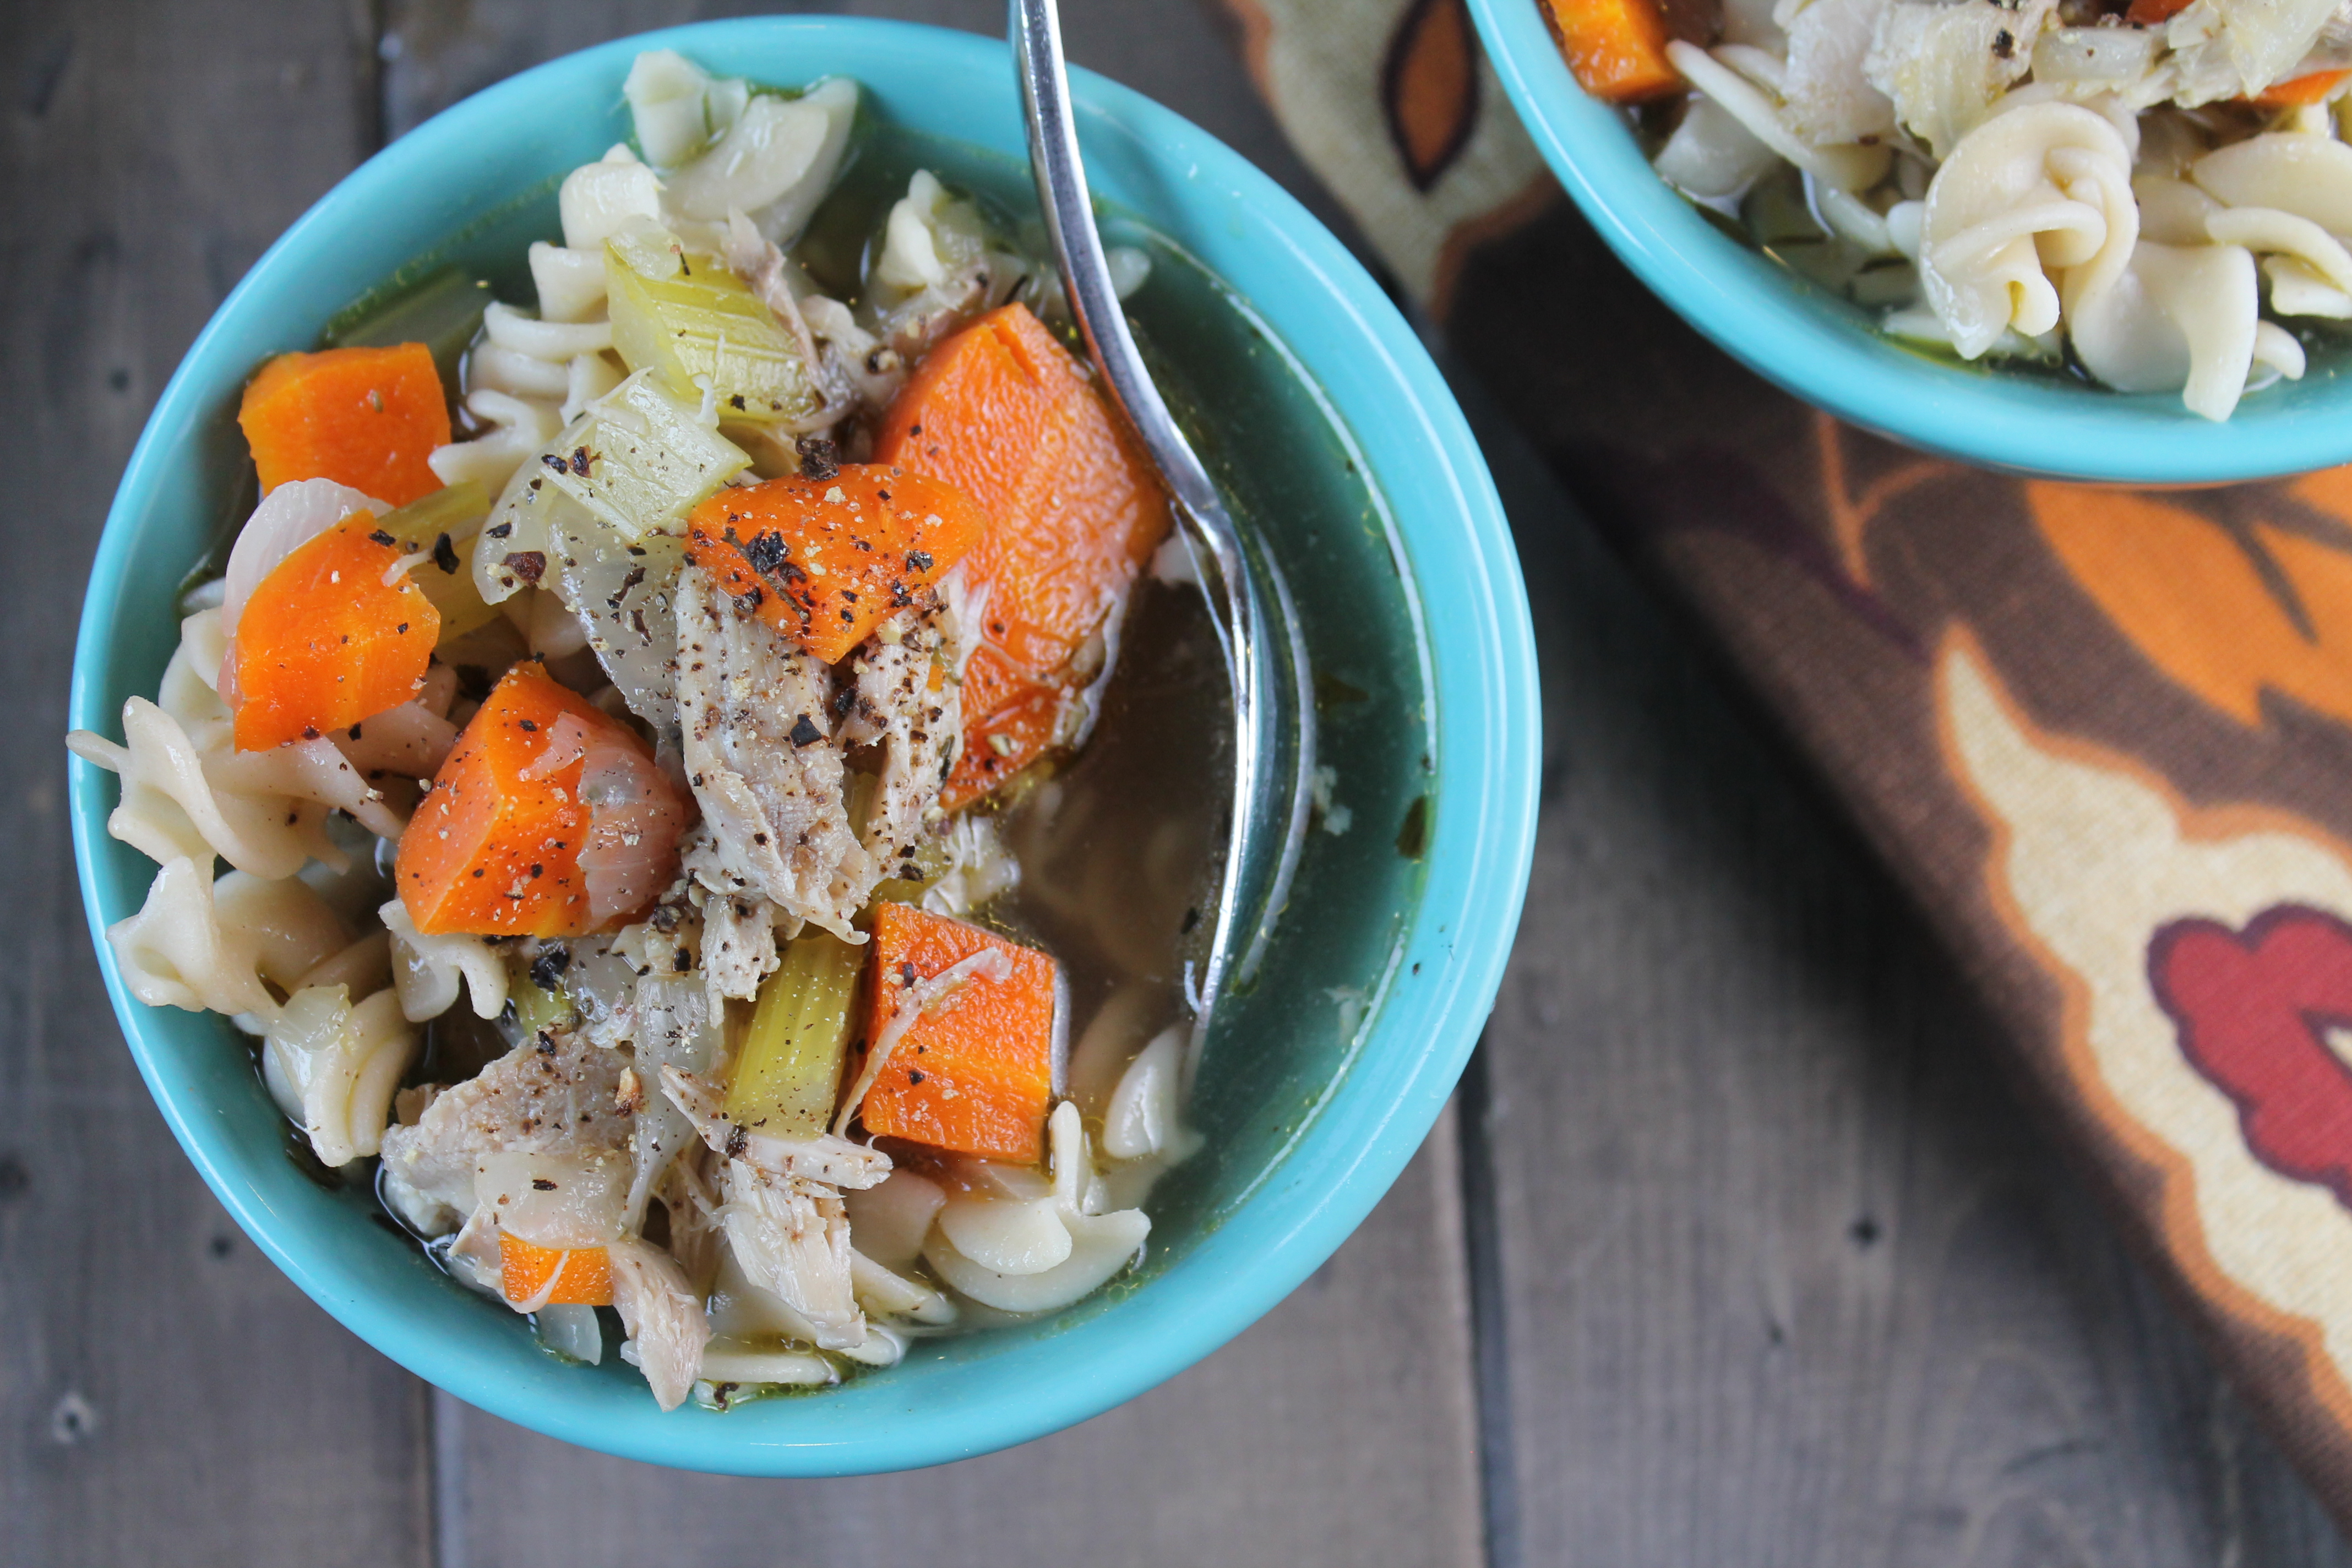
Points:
x=692, y=1205
x=755, y=258
x=739, y=931
x=906, y=704
x=551, y=1096
x=791, y=1237
x=675, y=1029
x=760, y=753
x=839, y=1162
x=664, y=1317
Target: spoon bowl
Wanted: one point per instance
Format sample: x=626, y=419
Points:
x=1256, y=620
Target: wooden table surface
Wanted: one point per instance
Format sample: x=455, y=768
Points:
x=1735, y=1249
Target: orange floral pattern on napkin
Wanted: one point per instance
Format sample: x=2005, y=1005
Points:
x=2104, y=735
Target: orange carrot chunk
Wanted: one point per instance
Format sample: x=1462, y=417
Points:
x=368, y=418
x=2148, y=13
x=826, y=561
x=495, y=847
x=2301, y=90
x=1004, y=413
x=1616, y=48
x=582, y=1275
x=325, y=642
x=974, y=1075
x=1010, y=720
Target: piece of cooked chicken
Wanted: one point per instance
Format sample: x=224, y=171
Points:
x=762, y=759
x=551, y=1096
x=791, y=1237
x=907, y=702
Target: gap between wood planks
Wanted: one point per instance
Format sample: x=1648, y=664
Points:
x=1482, y=1239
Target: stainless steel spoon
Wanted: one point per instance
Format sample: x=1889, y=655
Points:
x=1257, y=625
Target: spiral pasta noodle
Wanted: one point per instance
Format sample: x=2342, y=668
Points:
x=2006, y=178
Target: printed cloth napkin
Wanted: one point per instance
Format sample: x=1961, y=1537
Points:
x=2106, y=735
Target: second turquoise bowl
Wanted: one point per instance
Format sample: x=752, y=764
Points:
x=1332, y=428
x=1830, y=352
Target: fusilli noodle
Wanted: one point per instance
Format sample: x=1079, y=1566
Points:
x=1996, y=147
x=187, y=792
x=427, y=970
x=333, y=1067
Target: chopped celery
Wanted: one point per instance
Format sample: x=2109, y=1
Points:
x=693, y=323
x=443, y=311
x=638, y=459
x=789, y=1071
x=455, y=510
x=454, y=513
x=537, y=1010
x=927, y=857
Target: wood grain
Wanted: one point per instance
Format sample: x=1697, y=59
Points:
x=1780, y=1274
x=1180, y=52
x=1337, y=1431
x=166, y=1395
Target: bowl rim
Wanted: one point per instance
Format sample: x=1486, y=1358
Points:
x=1486, y=728
x=1757, y=312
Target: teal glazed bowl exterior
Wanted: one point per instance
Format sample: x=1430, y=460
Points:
x=1333, y=1065
x=1828, y=351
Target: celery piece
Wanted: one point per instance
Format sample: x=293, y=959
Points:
x=789, y=1071
x=455, y=513
x=694, y=325
x=442, y=311
x=539, y=1011
x=456, y=509
x=638, y=459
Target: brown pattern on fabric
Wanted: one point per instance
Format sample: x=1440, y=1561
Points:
x=1395, y=107
x=2102, y=735
x=2078, y=721
x=1429, y=88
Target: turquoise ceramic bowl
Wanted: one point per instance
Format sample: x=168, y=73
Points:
x=1828, y=351
x=1330, y=1069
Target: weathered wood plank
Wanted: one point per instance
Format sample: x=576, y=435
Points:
x=1781, y=1273
x=166, y=1396
x=1179, y=52
x=1340, y=1430
x=1336, y=1431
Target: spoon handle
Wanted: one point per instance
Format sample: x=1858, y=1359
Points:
x=1238, y=604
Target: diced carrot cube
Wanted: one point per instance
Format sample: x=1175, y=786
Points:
x=582, y=1275
x=1616, y=48
x=2301, y=91
x=324, y=642
x=1004, y=413
x=976, y=1075
x=494, y=847
x=1015, y=727
x=826, y=561
x=368, y=418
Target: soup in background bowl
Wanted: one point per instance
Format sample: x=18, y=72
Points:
x=1800, y=315
x=1333, y=436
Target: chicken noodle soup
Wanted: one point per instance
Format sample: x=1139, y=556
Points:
x=2155, y=195
x=661, y=824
